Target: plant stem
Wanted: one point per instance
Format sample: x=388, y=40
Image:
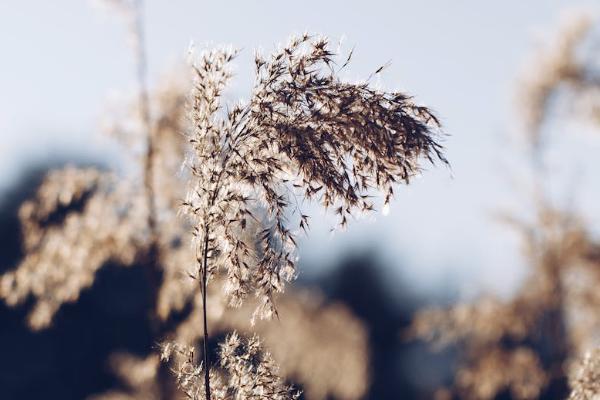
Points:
x=203, y=288
x=152, y=270
x=144, y=104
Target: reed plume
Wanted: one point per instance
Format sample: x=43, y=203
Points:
x=304, y=134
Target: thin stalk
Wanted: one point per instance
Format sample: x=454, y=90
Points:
x=144, y=104
x=204, y=281
x=152, y=271
x=205, y=327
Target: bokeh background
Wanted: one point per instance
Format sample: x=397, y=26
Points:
x=64, y=62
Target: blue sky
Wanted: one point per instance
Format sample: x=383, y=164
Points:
x=62, y=59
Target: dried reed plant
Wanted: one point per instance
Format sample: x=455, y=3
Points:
x=524, y=346
x=327, y=330
x=304, y=134
x=586, y=379
x=69, y=233
x=251, y=372
x=556, y=65
x=65, y=245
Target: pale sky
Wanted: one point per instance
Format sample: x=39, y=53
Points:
x=62, y=59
